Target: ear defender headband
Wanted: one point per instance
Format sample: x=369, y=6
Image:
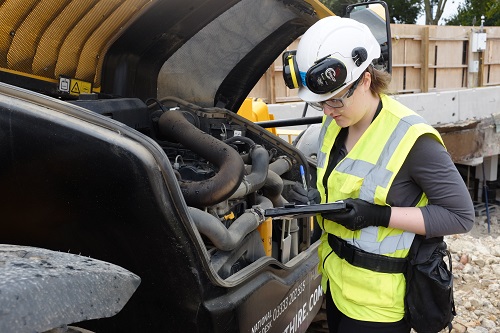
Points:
x=326, y=75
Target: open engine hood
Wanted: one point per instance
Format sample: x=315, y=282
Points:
x=210, y=52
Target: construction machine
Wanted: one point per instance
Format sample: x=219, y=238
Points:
x=132, y=194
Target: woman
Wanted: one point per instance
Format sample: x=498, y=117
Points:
x=388, y=165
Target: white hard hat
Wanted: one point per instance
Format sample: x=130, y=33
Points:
x=332, y=54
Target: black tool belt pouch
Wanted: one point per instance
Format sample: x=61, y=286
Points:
x=429, y=303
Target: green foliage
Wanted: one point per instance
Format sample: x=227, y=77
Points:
x=400, y=11
x=338, y=6
x=406, y=11
x=469, y=13
x=434, y=10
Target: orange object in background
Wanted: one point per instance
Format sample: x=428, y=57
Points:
x=255, y=109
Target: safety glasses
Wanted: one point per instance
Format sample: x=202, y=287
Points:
x=336, y=102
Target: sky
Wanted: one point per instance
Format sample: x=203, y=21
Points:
x=449, y=10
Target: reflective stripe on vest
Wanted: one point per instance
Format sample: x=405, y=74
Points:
x=322, y=156
x=377, y=175
x=367, y=172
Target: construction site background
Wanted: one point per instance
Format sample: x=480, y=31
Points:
x=450, y=75
x=424, y=59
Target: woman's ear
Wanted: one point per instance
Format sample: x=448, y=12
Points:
x=367, y=80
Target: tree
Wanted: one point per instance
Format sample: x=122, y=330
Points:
x=338, y=6
x=400, y=11
x=469, y=13
x=433, y=11
x=404, y=12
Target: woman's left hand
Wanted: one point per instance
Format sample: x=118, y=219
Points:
x=360, y=214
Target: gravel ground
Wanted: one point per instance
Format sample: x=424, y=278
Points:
x=476, y=269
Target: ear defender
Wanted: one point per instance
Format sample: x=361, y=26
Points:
x=326, y=75
x=359, y=55
x=291, y=73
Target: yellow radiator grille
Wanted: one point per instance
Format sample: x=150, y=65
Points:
x=50, y=38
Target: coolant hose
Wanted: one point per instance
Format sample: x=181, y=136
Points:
x=281, y=165
x=273, y=188
x=173, y=126
x=257, y=177
x=227, y=239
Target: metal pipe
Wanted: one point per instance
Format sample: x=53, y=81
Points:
x=290, y=122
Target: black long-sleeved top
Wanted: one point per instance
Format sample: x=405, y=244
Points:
x=428, y=168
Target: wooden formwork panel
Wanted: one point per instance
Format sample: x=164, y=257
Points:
x=262, y=90
x=492, y=54
x=424, y=58
x=398, y=77
x=406, y=51
x=447, y=53
x=491, y=65
x=447, y=32
x=405, y=80
x=492, y=75
x=447, y=79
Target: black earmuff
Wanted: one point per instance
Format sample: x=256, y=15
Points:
x=359, y=55
x=326, y=75
x=291, y=73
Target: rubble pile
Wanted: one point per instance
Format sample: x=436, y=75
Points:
x=476, y=270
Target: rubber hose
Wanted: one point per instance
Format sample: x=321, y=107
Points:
x=272, y=189
x=226, y=239
x=173, y=126
x=258, y=175
x=281, y=165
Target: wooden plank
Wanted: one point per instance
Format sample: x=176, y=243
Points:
x=407, y=65
x=397, y=80
x=493, y=75
x=448, y=79
x=271, y=84
x=413, y=78
x=425, y=58
x=424, y=82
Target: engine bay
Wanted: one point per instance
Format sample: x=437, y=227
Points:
x=229, y=171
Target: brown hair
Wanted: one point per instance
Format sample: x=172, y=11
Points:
x=380, y=81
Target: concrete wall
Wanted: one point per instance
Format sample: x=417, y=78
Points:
x=468, y=119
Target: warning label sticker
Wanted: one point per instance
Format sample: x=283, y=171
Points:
x=74, y=87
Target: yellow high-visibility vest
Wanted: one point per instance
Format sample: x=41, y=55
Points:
x=367, y=172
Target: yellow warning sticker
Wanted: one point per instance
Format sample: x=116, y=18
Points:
x=80, y=87
x=74, y=86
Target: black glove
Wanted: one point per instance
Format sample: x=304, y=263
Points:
x=360, y=214
x=300, y=196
